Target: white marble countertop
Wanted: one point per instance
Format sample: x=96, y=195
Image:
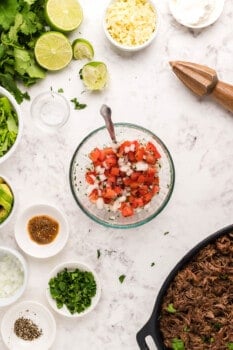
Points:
x=198, y=133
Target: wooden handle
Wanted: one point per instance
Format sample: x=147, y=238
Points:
x=223, y=93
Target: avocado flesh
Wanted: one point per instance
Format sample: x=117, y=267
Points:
x=3, y=214
x=6, y=199
x=5, y=193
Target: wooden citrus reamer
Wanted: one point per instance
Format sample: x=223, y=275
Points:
x=203, y=81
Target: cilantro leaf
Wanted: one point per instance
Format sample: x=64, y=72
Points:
x=122, y=278
x=8, y=10
x=78, y=105
x=171, y=309
x=177, y=344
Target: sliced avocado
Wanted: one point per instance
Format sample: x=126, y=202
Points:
x=5, y=194
x=1, y=180
x=3, y=214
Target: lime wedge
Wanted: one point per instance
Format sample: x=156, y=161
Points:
x=64, y=16
x=82, y=48
x=94, y=75
x=53, y=51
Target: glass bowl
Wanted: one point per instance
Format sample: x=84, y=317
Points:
x=50, y=111
x=80, y=162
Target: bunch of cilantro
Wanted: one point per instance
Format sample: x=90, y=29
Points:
x=21, y=23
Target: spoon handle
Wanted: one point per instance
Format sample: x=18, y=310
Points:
x=106, y=114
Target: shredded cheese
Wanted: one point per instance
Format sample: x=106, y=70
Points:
x=131, y=22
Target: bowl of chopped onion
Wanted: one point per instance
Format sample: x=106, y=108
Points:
x=122, y=185
x=13, y=276
x=131, y=25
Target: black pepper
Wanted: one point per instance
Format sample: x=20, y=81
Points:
x=26, y=329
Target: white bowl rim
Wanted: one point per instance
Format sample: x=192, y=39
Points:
x=70, y=265
x=17, y=295
x=42, y=306
x=66, y=228
x=8, y=218
x=200, y=26
x=138, y=47
x=4, y=92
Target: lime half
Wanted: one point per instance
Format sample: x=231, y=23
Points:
x=94, y=75
x=53, y=51
x=64, y=15
x=82, y=48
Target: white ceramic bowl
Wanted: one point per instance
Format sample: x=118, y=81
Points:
x=23, y=266
x=72, y=265
x=213, y=18
x=135, y=48
x=4, y=92
x=40, y=315
x=8, y=218
x=41, y=250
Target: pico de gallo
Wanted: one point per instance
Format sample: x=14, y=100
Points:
x=123, y=177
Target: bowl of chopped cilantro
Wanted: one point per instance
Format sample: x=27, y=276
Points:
x=11, y=124
x=73, y=289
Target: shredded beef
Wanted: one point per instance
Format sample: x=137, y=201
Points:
x=202, y=296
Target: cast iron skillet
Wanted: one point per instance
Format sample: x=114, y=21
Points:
x=152, y=326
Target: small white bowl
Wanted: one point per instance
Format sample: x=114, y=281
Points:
x=4, y=92
x=72, y=265
x=8, y=218
x=40, y=315
x=23, y=266
x=213, y=18
x=41, y=250
x=135, y=48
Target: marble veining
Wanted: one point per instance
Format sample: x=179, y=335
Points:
x=143, y=90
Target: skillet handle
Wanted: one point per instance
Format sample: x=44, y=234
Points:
x=146, y=330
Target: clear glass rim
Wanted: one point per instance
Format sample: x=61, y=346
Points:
x=150, y=217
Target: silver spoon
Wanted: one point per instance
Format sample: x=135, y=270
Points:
x=106, y=113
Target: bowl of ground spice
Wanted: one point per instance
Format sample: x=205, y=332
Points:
x=28, y=325
x=194, y=307
x=41, y=231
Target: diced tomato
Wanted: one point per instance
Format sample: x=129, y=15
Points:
x=111, y=179
x=111, y=161
x=109, y=193
x=126, y=209
x=94, y=195
x=147, y=197
x=118, y=190
x=89, y=177
x=134, y=175
x=150, y=159
x=131, y=156
x=151, y=171
x=127, y=181
x=139, y=154
x=155, y=189
x=94, y=155
x=134, y=184
x=151, y=148
x=115, y=171
x=137, y=202
x=143, y=190
x=109, y=151
x=141, y=178
x=102, y=155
